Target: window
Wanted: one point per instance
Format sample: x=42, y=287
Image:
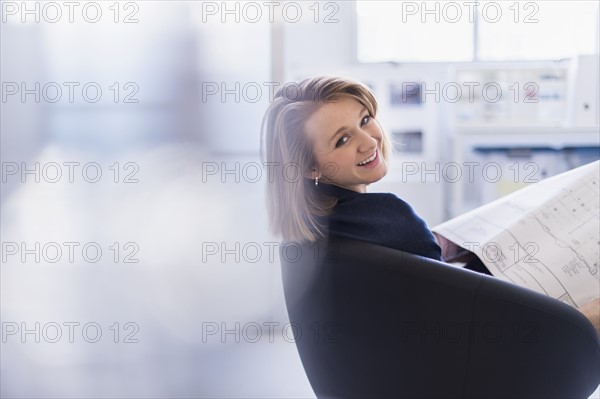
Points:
x=406, y=31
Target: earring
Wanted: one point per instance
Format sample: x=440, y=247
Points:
x=317, y=181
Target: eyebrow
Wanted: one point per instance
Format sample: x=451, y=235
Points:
x=337, y=132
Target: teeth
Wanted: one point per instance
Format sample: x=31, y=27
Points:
x=366, y=161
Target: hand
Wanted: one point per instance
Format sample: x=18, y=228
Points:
x=591, y=310
x=452, y=252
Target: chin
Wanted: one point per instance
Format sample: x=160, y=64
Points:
x=383, y=174
x=376, y=179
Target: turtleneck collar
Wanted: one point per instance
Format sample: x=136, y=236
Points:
x=335, y=191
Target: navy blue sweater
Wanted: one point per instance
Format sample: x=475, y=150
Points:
x=380, y=218
x=383, y=219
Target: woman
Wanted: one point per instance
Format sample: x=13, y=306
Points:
x=327, y=127
x=324, y=129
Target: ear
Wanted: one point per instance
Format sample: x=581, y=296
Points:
x=312, y=173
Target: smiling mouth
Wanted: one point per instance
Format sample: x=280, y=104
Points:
x=368, y=160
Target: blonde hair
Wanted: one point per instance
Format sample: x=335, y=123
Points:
x=292, y=202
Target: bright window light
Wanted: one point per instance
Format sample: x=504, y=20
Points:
x=387, y=31
x=540, y=30
x=444, y=31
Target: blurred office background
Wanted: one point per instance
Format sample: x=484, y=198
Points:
x=178, y=211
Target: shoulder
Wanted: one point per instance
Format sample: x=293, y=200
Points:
x=384, y=201
x=384, y=219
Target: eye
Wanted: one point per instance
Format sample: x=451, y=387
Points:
x=341, y=141
x=365, y=120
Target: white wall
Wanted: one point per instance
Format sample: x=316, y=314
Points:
x=21, y=137
x=234, y=65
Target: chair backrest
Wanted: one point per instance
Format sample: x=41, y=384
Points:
x=372, y=321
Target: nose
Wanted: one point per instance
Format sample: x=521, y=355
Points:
x=367, y=142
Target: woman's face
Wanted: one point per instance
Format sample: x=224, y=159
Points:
x=344, y=136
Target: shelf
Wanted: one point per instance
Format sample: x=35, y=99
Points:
x=521, y=129
x=527, y=137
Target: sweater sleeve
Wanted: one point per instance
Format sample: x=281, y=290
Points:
x=408, y=230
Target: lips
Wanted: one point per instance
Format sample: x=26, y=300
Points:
x=374, y=161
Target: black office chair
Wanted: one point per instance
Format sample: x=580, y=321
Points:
x=371, y=321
